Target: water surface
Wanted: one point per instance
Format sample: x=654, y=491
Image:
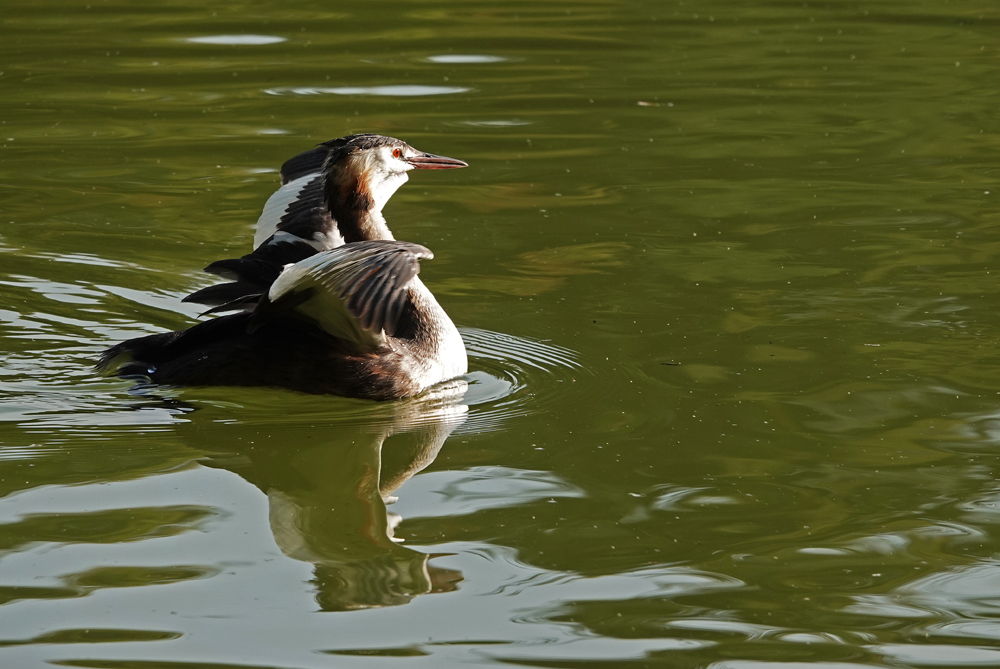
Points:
x=726, y=272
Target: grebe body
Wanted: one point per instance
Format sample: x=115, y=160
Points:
x=327, y=302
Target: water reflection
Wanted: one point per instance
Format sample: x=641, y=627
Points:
x=399, y=90
x=328, y=497
x=456, y=58
x=236, y=40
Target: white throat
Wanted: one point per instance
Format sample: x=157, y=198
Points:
x=383, y=189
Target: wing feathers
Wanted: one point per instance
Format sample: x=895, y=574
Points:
x=305, y=163
x=356, y=292
x=245, y=302
x=251, y=275
x=300, y=203
x=223, y=293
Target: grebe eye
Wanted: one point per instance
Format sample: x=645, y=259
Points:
x=396, y=153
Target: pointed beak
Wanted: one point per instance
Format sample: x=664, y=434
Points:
x=428, y=161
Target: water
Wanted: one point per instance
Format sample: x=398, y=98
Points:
x=726, y=272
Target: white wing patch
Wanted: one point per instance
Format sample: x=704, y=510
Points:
x=356, y=290
x=276, y=205
x=326, y=306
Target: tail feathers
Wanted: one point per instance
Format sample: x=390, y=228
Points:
x=134, y=356
x=143, y=355
x=225, y=293
x=244, y=303
x=252, y=274
x=304, y=163
x=259, y=270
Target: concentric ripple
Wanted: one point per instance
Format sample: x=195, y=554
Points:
x=511, y=376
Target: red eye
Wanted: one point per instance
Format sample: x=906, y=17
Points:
x=396, y=153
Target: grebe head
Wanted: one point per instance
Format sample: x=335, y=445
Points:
x=368, y=168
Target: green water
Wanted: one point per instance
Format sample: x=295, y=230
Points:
x=727, y=273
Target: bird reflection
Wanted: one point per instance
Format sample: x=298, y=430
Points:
x=328, y=493
x=330, y=467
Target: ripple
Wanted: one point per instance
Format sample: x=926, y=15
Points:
x=454, y=58
x=94, y=635
x=764, y=664
x=476, y=489
x=25, y=452
x=508, y=348
x=393, y=91
x=516, y=375
x=496, y=124
x=136, y=576
x=236, y=40
x=938, y=655
x=89, y=259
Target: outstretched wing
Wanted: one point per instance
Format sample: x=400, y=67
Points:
x=355, y=292
x=296, y=222
x=299, y=207
x=308, y=162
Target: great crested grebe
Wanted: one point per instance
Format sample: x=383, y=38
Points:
x=327, y=302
